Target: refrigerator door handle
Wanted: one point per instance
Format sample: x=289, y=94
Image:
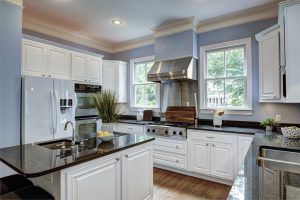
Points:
x=53, y=111
x=56, y=112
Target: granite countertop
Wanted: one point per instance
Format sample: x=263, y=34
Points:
x=228, y=129
x=246, y=184
x=32, y=160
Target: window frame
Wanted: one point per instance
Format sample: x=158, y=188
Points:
x=133, y=106
x=246, y=42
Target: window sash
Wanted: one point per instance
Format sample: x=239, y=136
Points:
x=156, y=95
x=227, y=78
x=224, y=49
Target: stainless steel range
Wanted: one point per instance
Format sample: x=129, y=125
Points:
x=167, y=129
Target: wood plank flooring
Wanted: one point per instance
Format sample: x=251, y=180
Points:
x=172, y=186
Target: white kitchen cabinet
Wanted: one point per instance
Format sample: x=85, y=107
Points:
x=199, y=156
x=222, y=164
x=212, y=153
x=114, y=78
x=269, y=65
x=129, y=128
x=33, y=58
x=170, y=152
x=244, y=142
x=98, y=179
x=137, y=174
x=94, y=69
x=289, y=15
x=58, y=63
x=79, y=67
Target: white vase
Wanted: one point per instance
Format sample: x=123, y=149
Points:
x=269, y=128
x=108, y=127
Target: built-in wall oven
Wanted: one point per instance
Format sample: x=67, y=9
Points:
x=87, y=119
x=86, y=126
x=84, y=104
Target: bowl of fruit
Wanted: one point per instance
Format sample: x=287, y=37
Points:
x=291, y=132
x=105, y=136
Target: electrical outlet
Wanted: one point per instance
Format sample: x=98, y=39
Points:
x=278, y=118
x=49, y=177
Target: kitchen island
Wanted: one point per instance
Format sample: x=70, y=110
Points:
x=120, y=169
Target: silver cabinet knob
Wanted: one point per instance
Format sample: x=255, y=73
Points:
x=206, y=144
x=117, y=159
x=126, y=156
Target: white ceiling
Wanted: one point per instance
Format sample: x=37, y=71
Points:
x=92, y=18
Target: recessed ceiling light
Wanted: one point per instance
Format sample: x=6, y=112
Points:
x=116, y=21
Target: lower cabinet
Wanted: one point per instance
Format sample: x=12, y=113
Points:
x=222, y=160
x=98, y=180
x=137, y=174
x=124, y=175
x=199, y=157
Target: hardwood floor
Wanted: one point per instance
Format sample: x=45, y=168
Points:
x=169, y=185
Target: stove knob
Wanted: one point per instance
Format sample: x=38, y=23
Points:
x=174, y=132
x=166, y=132
x=180, y=133
x=148, y=130
x=153, y=130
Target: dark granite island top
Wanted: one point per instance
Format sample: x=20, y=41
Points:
x=33, y=160
x=246, y=185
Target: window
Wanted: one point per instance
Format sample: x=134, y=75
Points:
x=226, y=80
x=143, y=94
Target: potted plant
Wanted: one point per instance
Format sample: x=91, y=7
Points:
x=107, y=108
x=268, y=124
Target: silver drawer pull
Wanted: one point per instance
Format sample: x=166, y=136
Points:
x=206, y=144
x=177, y=147
x=126, y=156
x=130, y=128
x=210, y=137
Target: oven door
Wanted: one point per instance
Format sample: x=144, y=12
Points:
x=87, y=126
x=84, y=105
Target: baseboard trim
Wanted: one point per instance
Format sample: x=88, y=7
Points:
x=202, y=176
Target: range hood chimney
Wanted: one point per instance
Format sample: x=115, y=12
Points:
x=175, y=69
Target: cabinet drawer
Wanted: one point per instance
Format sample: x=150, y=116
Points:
x=129, y=128
x=172, y=160
x=171, y=146
x=211, y=136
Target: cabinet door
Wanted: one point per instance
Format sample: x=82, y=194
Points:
x=244, y=143
x=122, y=82
x=292, y=49
x=199, y=157
x=138, y=174
x=33, y=58
x=222, y=161
x=95, y=180
x=94, y=70
x=79, y=67
x=109, y=75
x=269, y=69
x=58, y=63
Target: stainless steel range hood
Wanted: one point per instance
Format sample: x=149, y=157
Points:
x=176, y=69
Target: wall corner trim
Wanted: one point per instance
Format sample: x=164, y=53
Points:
x=15, y=2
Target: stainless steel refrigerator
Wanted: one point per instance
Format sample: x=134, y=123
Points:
x=47, y=104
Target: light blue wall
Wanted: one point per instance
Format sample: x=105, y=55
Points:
x=175, y=46
x=40, y=37
x=10, y=72
x=289, y=112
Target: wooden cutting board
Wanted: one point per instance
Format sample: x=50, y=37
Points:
x=180, y=114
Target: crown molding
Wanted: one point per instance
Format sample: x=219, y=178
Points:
x=132, y=44
x=49, y=29
x=15, y=2
x=242, y=17
x=175, y=27
x=267, y=31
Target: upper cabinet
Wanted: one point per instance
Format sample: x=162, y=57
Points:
x=289, y=15
x=48, y=61
x=34, y=58
x=269, y=65
x=114, y=75
x=58, y=63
